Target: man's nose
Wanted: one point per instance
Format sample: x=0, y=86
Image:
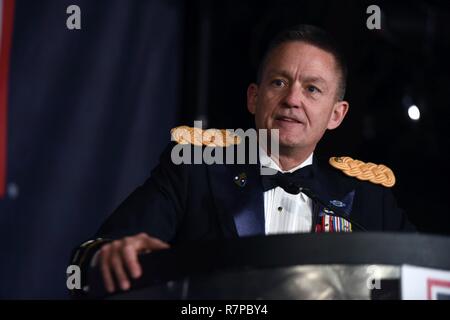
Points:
x=294, y=96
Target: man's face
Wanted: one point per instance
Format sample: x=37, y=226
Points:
x=297, y=95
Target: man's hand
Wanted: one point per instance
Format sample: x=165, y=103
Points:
x=114, y=257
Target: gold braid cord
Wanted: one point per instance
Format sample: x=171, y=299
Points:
x=375, y=173
x=209, y=138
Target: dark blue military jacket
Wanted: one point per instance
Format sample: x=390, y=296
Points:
x=198, y=202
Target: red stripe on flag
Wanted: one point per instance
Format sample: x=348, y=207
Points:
x=6, y=37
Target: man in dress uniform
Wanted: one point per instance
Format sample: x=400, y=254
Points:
x=299, y=91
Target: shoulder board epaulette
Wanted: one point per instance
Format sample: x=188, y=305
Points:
x=375, y=173
x=200, y=137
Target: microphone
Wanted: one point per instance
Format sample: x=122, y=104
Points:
x=293, y=188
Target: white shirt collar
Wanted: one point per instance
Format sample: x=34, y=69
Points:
x=268, y=162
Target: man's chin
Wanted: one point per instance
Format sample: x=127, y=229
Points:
x=289, y=144
x=290, y=140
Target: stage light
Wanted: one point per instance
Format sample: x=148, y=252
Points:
x=414, y=112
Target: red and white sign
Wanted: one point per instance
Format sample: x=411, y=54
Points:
x=425, y=284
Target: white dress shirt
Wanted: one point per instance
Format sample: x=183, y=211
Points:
x=285, y=212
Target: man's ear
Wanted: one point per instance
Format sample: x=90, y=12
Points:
x=340, y=109
x=252, y=97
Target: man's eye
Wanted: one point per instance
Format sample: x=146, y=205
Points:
x=313, y=89
x=278, y=83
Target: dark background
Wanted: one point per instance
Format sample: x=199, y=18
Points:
x=90, y=110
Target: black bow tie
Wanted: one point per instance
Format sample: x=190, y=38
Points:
x=291, y=182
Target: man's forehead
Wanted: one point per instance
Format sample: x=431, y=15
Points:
x=294, y=46
x=288, y=57
x=300, y=52
x=307, y=76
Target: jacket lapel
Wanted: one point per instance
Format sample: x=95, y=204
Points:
x=238, y=198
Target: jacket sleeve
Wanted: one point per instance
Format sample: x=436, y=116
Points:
x=156, y=208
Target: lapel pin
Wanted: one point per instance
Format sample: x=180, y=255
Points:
x=337, y=203
x=241, y=179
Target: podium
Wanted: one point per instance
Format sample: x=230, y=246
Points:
x=291, y=266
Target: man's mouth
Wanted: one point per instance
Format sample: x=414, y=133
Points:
x=287, y=119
